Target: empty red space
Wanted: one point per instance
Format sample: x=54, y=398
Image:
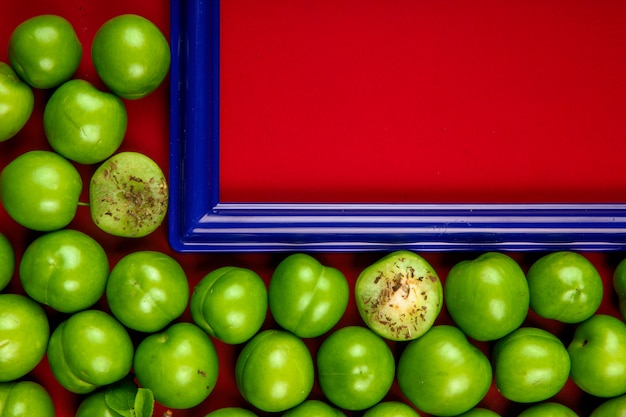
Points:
x=427, y=102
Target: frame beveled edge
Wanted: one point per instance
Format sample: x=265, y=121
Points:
x=199, y=222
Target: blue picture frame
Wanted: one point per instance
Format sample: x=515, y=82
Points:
x=199, y=222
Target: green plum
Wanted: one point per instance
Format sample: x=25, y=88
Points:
x=399, y=296
x=25, y=399
x=610, y=408
x=443, y=373
x=40, y=190
x=230, y=304
x=564, y=286
x=16, y=102
x=24, y=334
x=598, y=356
x=123, y=398
x=84, y=124
x=128, y=195
x=187, y=365
x=274, y=371
x=548, y=409
x=65, y=269
x=88, y=350
x=147, y=290
x=530, y=365
x=45, y=51
x=391, y=409
x=487, y=297
x=480, y=412
x=306, y=297
x=94, y=405
x=356, y=368
x=7, y=261
x=231, y=412
x=313, y=408
x=619, y=285
x=131, y=55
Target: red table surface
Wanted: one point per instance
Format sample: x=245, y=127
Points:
x=307, y=115
x=416, y=101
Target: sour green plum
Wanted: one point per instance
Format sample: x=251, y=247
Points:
x=94, y=405
x=619, y=285
x=548, y=409
x=487, y=297
x=480, y=412
x=84, y=124
x=188, y=365
x=564, y=286
x=45, y=50
x=399, y=296
x=230, y=303
x=89, y=350
x=306, y=297
x=65, y=269
x=7, y=261
x=598, y=356
x=24, y=334
x=128, y=195
x=40, y=189
x=315, y=408
x=355, y=367
x=391, y=409
x=443, y=373
x=612, y=407
x=530, y=365
x=25, y=399
x=16, y=102
x=131, y=55
x=274, y=371
x=231, y=412
x=147, y=290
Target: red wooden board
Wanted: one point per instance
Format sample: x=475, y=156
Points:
x=414, y=101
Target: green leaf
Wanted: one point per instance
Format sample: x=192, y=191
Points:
x=120, y=397
x=144, y=403
x=128, y=400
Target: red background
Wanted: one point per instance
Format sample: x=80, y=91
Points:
x=370, y=101
x=361, y=101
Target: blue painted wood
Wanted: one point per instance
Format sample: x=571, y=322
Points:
x=199, y=222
